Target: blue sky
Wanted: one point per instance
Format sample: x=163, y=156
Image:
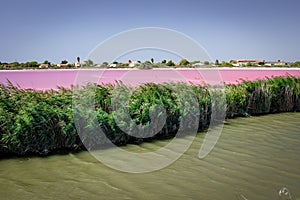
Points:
x=55, y=30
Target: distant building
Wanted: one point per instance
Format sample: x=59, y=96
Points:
x=239, y=63
x=198, y=64
x=66, y=65
x=112, y=65
x=130, y=63
x=42, y=66
x=274, y=63
x=133, y=64
x=80, y=64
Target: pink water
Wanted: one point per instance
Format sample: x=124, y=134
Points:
x=50, y=79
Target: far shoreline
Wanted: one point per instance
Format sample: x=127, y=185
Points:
x=181, y=68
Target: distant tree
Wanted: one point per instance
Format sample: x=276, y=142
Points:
x=226, y=64
x=46, y=62
x=78, y=59
x=261, y=63
x=32, y=64
x=70, y=65
x=206, y=63
x=146, y=65
x=64, y=62
x=170, y=63
x=129, y=61
x=115, y=62
x=217, y=62
x=89, y=62
x=296, y=64
x=105, y=63
x=14, y=64
x=147, y=62
x=194, y=62
x=184, y=62
x=139, y=61
x=152, y=60
x=164, y=61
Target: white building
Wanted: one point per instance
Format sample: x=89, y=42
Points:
x=112, y=65
x=239, y=63
x=274, y=63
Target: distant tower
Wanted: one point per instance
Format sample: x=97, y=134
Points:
x=78, y=62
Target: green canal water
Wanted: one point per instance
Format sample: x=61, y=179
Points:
x=254, y=158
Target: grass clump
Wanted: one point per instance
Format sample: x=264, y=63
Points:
x=42, y=122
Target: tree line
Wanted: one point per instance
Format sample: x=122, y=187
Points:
x=148, y=64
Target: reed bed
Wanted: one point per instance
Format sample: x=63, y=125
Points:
x=42, y=122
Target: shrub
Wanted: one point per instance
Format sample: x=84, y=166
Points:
x=170, y=63
x=184, y=62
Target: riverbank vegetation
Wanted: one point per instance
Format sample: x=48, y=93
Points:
x=42, y=122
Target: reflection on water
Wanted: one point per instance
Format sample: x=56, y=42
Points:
x=255, y=158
